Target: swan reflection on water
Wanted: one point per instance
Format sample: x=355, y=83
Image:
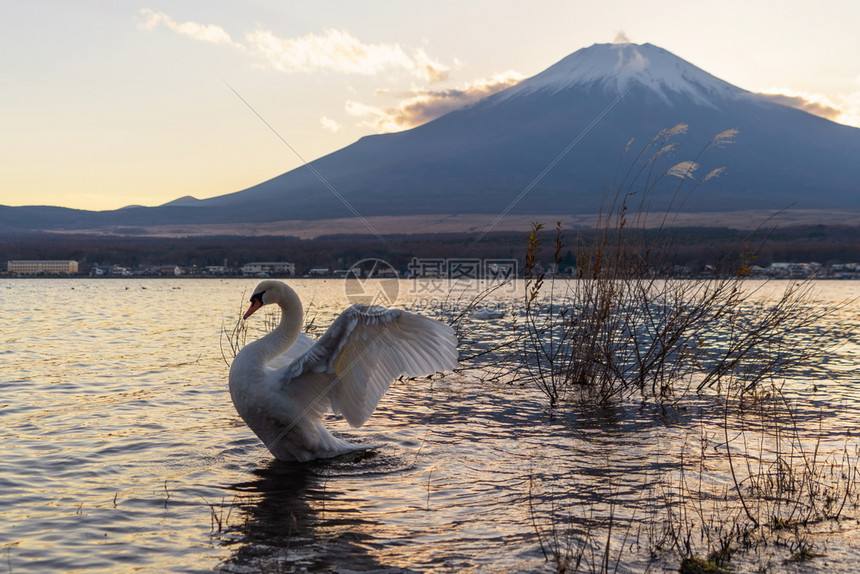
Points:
x=294, y=515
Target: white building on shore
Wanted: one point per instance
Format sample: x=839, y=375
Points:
x=265, y=268
x=42, y=267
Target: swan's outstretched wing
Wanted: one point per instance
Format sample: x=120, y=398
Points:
x=302, y=344
x=365, y=349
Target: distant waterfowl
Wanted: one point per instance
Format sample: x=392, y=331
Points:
x=485, y=314
x=283, y=383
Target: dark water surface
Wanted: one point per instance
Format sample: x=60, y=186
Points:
x=121, y=450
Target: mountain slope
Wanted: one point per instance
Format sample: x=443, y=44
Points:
x=479, y=159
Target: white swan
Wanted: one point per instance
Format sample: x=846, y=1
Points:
x=283, y=383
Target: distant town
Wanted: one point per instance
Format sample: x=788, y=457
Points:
x=260, y=269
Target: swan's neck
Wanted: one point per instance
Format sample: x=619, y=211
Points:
x=284, y=335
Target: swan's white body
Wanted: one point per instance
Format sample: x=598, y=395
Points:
x=283, y=383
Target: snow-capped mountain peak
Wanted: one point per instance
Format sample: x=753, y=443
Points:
x=614, y=67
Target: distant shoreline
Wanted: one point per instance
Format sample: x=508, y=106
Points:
x=441, y=224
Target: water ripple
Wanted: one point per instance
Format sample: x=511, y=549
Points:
x=121, y=450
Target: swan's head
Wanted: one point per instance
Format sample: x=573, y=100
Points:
x=269, y=292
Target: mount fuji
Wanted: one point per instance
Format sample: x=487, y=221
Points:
x=481, y=158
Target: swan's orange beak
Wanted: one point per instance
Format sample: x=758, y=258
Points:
x=256, y=303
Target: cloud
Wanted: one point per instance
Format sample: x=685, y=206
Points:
x=333, y=50
x=812, y=103
x=329, y=124
x=422, y=105
x=376, y=117
x=203, y=32
x=433, y=70
x=621, y=38
x=339, y=51
x=844, y=110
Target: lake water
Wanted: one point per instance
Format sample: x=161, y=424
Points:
x=122, y=451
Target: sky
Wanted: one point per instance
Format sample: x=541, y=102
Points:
x=109, y=103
